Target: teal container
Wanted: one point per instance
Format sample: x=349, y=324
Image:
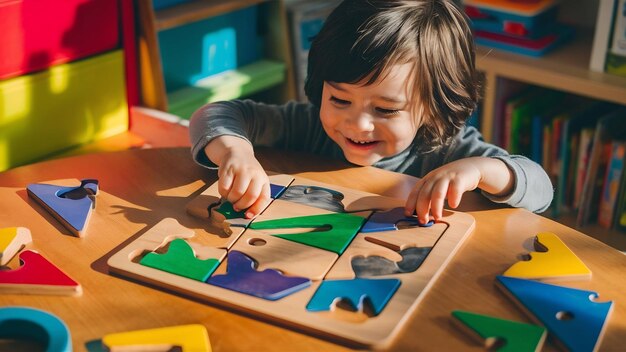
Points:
x=200, y=49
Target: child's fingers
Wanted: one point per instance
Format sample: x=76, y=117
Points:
x=224, y=183
x=438, y=196
x=261, y=202
x=455, y=193
x=237, y=190
x=251, y=194
x=423, y=203
x=409, y=206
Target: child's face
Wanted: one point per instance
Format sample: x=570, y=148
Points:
x=371, y=122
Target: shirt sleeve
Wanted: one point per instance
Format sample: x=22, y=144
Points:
x=532, y=188
x=293, y=126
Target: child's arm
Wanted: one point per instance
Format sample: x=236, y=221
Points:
x=451, y=180
x=242, y=180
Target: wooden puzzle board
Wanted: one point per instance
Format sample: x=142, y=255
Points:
x=291, y=258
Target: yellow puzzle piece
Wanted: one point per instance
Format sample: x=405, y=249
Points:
x=559, y=262
x=11, y=241
x=187, y=338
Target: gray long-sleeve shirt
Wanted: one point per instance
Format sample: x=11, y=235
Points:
x=296, y=126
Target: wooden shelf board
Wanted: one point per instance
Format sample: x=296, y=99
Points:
x=565, y=69
x=198, y=10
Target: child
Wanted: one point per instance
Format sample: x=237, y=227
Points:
x=391, y=84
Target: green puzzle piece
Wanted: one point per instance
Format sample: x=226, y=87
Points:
x=227, y=210
x=343, y=228
x=180, y=260
x=517, y=336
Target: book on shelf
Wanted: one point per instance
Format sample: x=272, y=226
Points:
x=616, y=58
x=602, y=34
x=619, y=219
x=610, y=127
x=611, y=184
x=507, y=89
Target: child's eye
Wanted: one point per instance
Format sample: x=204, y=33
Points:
x=387, y=111
x=339, y=101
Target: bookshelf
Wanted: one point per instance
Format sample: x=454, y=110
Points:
x=275, y=49
x=565, y=69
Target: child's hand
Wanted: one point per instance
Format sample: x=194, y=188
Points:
x=242, y=180
x=450, y=181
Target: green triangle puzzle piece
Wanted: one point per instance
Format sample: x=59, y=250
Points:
x=181, y=260
x=516, y=336
x=335, y=231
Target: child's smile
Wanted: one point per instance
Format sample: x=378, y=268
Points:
x=370, y=122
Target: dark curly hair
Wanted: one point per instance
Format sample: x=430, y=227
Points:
x=361, y=39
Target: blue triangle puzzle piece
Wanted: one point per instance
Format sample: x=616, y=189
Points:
x=569, y=314
x=72, y=212
x=379, y=292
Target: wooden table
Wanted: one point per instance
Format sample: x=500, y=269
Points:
x=142, y=187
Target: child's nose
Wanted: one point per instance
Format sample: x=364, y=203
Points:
x=362, y=122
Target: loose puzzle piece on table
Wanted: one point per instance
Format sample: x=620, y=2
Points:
x=24, y=323
x=37, y=276
x=356, y=291
x=184, y=338
x=255, y=252
x=559, y=262
x=72, y=206
x=269, y=284
x=570, y=315
x=501, y=334
x=12, y=239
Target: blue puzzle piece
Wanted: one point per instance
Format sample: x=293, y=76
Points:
x=23, y=323
x=389, y=220
x=569, y=314
x=276, y=190
x=70, y=205
x=378, y=292
x=241, y=276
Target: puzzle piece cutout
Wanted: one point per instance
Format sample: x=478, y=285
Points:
x=569, y=314
x=334, y=231
x=559, y=262
x=12, y=239
x=72, y=206
x=184, y=338
x=180, y=259
x=269, y=284
x=37, y=275
x=501, y=334
x=315, y=196
x=356, y=291
x=412, y=258
x=391, y=220
x=31, y=324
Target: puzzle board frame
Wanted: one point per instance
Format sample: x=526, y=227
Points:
x=350, y=327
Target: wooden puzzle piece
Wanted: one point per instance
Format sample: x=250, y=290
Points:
x=356, y=291
x=412, y=258
x=371, y=250
x=181, y=260
x=391, y=220
x=37, y=276
x=333, y=232
x=559, y=262
x=500, y=334
x=31, y=324
x=72, y=206
x=570, y=315
x=269, y=284
x=288, y=257
x=210, y=205
x=184, y=338
x=12, y=239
